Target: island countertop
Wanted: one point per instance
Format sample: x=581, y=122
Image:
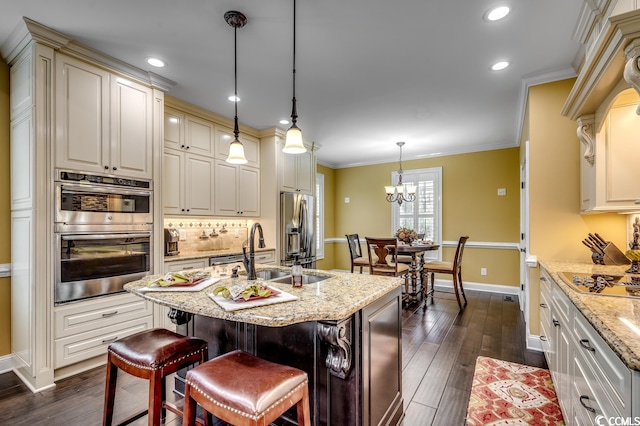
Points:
x=605, y=313
x=335, y=298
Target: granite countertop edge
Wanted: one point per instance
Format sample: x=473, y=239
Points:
x=603, y=312
x=332, y=299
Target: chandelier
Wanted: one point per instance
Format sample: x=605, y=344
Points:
x=236, y=151
x=401, y=192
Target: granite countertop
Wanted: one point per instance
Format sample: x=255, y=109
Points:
x=605, y=312
x=190, y=255
x=334, y=299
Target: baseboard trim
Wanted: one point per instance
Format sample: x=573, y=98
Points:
x=6, y=363
x=484, y=287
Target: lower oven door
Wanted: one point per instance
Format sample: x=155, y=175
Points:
x=90, y=265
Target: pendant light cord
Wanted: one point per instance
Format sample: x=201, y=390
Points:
x=294, y=112
x=236, y=131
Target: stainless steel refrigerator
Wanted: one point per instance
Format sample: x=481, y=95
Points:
x=297, y=222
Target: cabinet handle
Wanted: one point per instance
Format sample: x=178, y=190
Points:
x=109, y=314
x=556, y=323
x=543, y=279
x=113, y=339
x=543, y=338
x=585, y=344
x=582, y=398
x=544, y=305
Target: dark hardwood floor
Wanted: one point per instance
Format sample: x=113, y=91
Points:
x=439, y=346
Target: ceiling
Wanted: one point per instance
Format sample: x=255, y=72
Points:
x=369, y=72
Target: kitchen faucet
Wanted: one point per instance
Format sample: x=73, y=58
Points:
x=249, y=261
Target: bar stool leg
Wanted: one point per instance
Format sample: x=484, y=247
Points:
x=110, y=393
x=155, y=398
x=302, y=408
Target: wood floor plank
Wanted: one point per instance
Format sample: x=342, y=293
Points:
x=418, y=415
x=414, y=372
x=453, y=408
x=431, y=387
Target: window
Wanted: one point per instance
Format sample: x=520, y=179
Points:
x=319, y=216
x=424, y=215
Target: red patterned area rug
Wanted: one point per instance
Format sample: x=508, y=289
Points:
x=505, y=393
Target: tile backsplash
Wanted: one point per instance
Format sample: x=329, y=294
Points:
x=231, y=233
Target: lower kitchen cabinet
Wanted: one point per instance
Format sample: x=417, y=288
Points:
x=84, y=330
x=589, y=378
x=266, y=257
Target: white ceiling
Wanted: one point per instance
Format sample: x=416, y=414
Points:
x=369, y=72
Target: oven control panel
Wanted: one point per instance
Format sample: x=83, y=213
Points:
x=81, y=177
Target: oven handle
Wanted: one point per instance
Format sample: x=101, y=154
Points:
x=83, y=188
x=103, y=236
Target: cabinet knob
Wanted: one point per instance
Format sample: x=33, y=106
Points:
x=181, y=209
x=106, y=167
x=181, y=146
x=188, y=210
x=556, y=323
x=187, y=147
x=115, y=168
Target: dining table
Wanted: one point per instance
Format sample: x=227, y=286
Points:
x=416, y=250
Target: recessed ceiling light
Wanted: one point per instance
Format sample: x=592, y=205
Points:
x=497, y=13
x=234, y=98
x=284, y=121
x=500, y=65
x=155, y=62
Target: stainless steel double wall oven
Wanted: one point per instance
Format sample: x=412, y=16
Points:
x=103, y=234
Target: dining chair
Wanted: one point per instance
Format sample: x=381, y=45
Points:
x=454, y=268
x=382, y=252
x=355, y=251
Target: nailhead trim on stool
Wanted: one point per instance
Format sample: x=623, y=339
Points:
x=152, y=355
x=245, y=390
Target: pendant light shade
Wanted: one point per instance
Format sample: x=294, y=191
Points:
x=293, y=143
x=236, y=150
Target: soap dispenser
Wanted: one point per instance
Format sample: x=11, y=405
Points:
x=296, y=274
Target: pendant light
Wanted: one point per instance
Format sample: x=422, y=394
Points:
x=293, y=142
x=401, y=192
x=236, y=150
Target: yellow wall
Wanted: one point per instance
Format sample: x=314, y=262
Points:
x=329, y=217
x=470, y=205
x=5, y=212
x=556, y=225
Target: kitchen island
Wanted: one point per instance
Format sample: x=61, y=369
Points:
x=344, y=331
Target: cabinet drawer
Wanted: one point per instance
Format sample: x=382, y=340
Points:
x=95, y=314
x=79, y=347
x=588, y=391
x=266, y=257
x=562, y=306
x=186, y=264
x=608, y=368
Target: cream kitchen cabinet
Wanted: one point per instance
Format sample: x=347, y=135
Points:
x=297, y=172
x=187, y=183
x=188, y=133
x=103, y=121
x=237, y=190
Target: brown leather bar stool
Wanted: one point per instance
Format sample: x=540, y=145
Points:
x=152, y=355
x=245, y=390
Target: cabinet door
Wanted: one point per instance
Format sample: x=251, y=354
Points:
x=305, y=172
x=200, y=136
x=82, y=116
x=199, y=189
x=249, y=191
x=226, y=188
x=173, y=129
x=131, y=129
x=173, y=182
x=288, y=172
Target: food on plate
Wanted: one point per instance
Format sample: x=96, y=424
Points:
x=243, y=291
x=182, y=278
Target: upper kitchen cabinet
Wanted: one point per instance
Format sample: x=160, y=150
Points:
x=103, y=121
x=605, y=103
x=237, y=190
x=187, y=183
x=297, y=172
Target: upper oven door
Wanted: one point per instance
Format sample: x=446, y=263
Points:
x=88, y=204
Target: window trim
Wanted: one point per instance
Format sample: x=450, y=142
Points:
x=319, y=216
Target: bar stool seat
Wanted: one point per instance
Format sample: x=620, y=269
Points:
x=242, y=389
x=152, y=355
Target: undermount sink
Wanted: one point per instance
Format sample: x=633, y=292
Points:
x=306, y=279
x=270, y=274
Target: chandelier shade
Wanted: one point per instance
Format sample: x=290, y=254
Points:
x=236, y=20
x=401, y=192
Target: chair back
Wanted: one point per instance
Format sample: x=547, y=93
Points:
x=354, y=246
x=457, y=261
x=382, y=250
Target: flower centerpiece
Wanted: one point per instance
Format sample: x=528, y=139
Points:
x=407, y=235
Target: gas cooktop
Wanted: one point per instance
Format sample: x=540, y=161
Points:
x=603, y=284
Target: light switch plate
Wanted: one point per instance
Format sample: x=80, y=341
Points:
x=502, y=191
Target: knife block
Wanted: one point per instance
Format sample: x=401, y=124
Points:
x=613, y=256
